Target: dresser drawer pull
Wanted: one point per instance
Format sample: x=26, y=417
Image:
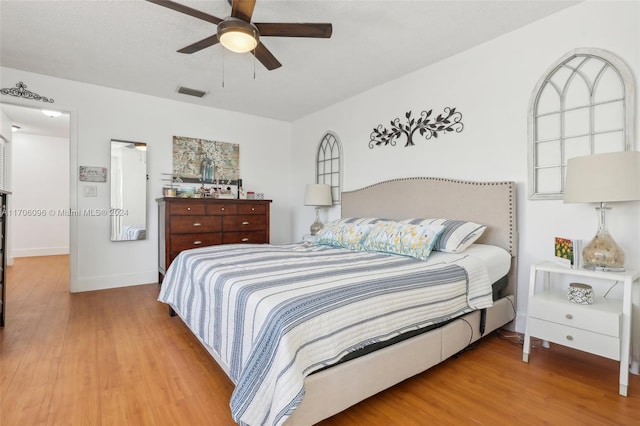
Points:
x=245, y=223
x=244, y=240
x=197, y=224
x=188, y=209
x=569, y=337
x=253, y=209
x=221, y=208
x=568, y=316
x=195, y=243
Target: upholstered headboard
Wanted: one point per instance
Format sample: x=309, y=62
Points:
x=489, y=203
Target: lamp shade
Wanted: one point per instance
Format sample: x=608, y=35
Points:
x=318, y=195
x=603, y=178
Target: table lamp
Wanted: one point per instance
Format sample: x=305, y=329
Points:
x=318, y=195
x=603, y=178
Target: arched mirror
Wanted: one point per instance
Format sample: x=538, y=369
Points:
x=128, y=190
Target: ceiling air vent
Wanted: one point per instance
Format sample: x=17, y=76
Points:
x=191, y=92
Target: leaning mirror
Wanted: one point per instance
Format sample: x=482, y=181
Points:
x=128, y=190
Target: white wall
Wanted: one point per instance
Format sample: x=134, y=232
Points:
x=40, y=189
x=491, y=86
x=99, y=114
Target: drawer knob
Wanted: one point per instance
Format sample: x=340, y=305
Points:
x=568, y=316
x=253, y=209
x=195, y=243
x=197, y=224
x=569, y=337
x=222, y=208
x=245, y=223
x=244, y=240
x=188, y=209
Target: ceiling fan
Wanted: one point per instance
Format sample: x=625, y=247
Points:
x=237, y=33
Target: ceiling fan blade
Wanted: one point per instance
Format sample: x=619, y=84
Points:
x=266, y=57
x=199, y=45
x=270, y=29
x=242, y=9
x=187, y=10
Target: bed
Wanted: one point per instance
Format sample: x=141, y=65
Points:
x=299, y=328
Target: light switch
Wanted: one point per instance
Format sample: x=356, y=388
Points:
x=90, y=190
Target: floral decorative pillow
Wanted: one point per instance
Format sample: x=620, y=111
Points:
x=328, y=235
x=361, y=220
x=403, y=238
x=348, y=235
x=457, y=234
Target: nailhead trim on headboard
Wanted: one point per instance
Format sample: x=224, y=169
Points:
x=510, y=184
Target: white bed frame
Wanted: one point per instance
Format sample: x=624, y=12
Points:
x=491, y=203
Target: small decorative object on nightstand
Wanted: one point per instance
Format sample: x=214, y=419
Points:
x=602, y=328
x=580, y=293
x=318, y=195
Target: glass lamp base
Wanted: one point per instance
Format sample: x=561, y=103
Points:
x=315, y=227
x=603, y=254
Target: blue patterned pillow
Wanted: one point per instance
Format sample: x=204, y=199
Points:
x=403, y=238
x=347, y=235
x=361, y=220
x=328, y=235
x=457, y=234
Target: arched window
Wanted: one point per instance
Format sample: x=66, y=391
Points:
x=329, y=164
x=582, y=106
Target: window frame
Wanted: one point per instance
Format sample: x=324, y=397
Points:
x=325, y=154
x=628, y=105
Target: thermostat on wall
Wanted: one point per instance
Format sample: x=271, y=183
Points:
x=90, y=191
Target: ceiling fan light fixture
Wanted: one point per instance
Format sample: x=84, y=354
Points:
x=237, y=35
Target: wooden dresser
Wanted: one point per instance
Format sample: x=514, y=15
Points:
x=185, y=223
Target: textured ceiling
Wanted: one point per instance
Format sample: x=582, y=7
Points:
x=131, y=45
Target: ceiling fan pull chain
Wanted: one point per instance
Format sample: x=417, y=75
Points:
x=255, y=36
x=223, y=68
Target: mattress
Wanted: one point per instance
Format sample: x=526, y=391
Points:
x=270, y=315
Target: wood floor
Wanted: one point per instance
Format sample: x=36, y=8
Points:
x=115, y=357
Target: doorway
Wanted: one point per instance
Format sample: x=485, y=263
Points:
x=37, y=164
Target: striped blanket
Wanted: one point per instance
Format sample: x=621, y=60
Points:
x=274, y=314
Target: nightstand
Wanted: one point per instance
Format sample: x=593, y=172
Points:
x=602, y=328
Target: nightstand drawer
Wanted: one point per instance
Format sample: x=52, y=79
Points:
x=603, y=316
x=596, y=343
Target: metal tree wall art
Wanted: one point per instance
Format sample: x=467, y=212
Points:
x=425, y=125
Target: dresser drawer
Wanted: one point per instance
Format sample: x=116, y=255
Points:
x=249, y=209
x=254, y=237
x=603, y=316
x=195, y=224
x=596, y=343
x=244, y=223
x=189, y=241
x=187, y=208
x=222, y=209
